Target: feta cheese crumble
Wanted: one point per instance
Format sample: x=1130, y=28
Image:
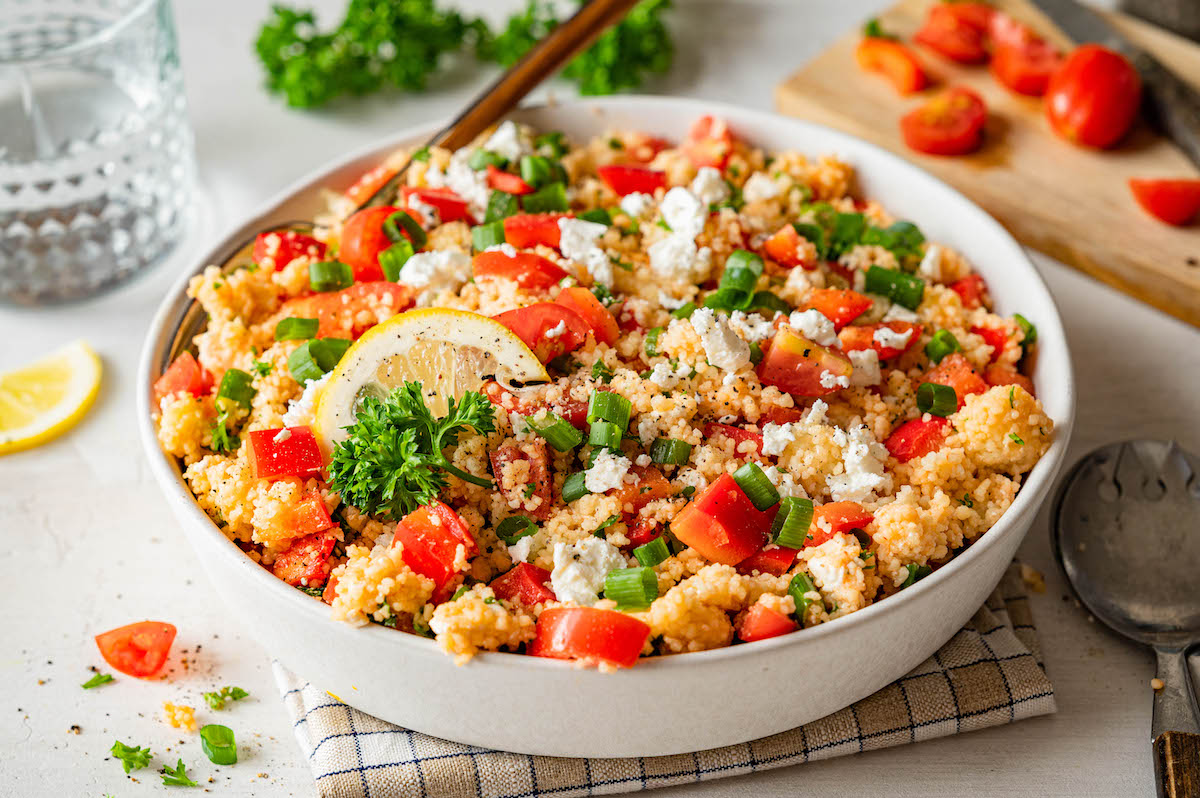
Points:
x=464, y=181
x=760, y=187
x=578, y=242
x=436, y=271
x=866, y=368
x=751, y=326
x=300, y=411
x=507, y=248
x=831, y=380
x=677, y=258
x=814, y=326
x=556, y=330
x=520, y=551
x=777, y=437
x=898, y=312
x=508, y=142
x=725, y=348
x=636, y=204
x=863, y=460
x=580, y=569
x=886, y=336
x=709, y=187
x=607, y=472
x=667, y=378
x=684, y=212
x=931, y=264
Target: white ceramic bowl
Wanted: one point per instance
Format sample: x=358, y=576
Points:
x=696, y=701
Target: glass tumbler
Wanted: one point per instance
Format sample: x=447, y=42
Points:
x=97, y=167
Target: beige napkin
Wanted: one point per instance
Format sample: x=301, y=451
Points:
x=989, y=674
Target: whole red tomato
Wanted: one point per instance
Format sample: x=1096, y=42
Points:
x=1093, y=97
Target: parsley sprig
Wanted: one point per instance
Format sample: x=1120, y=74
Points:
x=97, y=680
x=216, y=700
x=177, y=776
x=130, y=757
x=393, y=460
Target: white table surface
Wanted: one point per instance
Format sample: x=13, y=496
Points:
x=89, y=544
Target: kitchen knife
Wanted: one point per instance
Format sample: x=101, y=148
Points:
x=1172, y=100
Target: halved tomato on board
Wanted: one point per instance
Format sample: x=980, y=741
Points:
x=1021, y=60
x=892, y=60
x=548, y=328
x=1093, y=98
x=1172, y=201
x=949, y=124
x=139, y=649
x=957, y=31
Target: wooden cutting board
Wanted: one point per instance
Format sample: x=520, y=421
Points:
x=1070, y=203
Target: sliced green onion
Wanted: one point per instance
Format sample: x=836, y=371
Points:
x=574, y=487
x=553, y=142
x=757, y=487
x=500, y=206
x=605, y=434
x=1028, y=328
x=538, y=171
x=236, y=386
x=488, y=235
x=597, y=215
x=218, y=744
x=412, y=231
x=727, y=299
x=462, y=591
x=631, y=588
x=296, y=329
x=550, y=198
x=670, y=451
x=916, y=573
x=392, y=259
x=790, y=528
x=329, y=275
x=652, y=341
x=765, y=300
x=481, y=159
x=684, y=311
x=652, y=553
x=798, y=588
x=900, y=287
x=735, y=291
x=312, y=359
x=515, y=527
x=940, y=400
x=756, y=353
x=942, y=344
x=609, y=406
x=557, y=431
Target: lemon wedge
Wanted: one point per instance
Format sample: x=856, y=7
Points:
x=449, y=352
x=41, y=401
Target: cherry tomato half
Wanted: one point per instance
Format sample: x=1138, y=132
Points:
x=950, y=124
x=139, y=649
x=1094, y=96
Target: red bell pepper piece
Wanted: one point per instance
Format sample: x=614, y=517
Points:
x=431, y=536
x=917, y=438
x=722, y=523
x=973, y=291
x=630, y=179
x=524, y=583
x=770, y=559
x=591, y=634
x=309, y=515
x=368, y=183
x=644, y=531
x=274, y=454
x=507, y=182
x=760, y=622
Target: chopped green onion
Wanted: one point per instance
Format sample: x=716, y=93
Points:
x=652, y=341
x=790, y=528
x=574, y=487
x=916, y=573
x=757, y=487
x=97, y=680
x=684, y=311
x=1028, y=328
x=756, y=353
x=765, y=300
x=597, y=215
x=500, y=206
x=557, y=431
x=652, y=553
x=900, y=287
x=462, y=591
x=601, y=372
x=488, y=235
x=553, y=142
x=539, y=171
x=481, y=159
x=296, y=329
x=798, y=588
x=726, y=299
x=236, y=386
x=605, y=434
x=670, y=451
x=218, y=744
x=329, y=275
x=550, y=198
x=421, y=155
x=631, y=588
x=515, y=527
x=314, y=358
x=942, y=344
x=392, y=259
x=609, y=406
x=412, y=231
x=735, y=291
x=940, y=400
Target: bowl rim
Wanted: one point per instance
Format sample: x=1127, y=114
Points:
x=1035, y=488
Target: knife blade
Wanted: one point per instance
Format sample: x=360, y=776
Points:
x=1170, y=99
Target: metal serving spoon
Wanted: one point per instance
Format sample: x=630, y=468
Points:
x=1126, y=534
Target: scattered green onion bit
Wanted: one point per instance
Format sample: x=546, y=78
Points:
x=790, y=528
x=574, y=487
x=756, y=353
x=313, y=359
x=329, y=275
x=735, y=291
x=605, y=434
x=916, y=573
x=218, y=744
x=481, y=159
x=652, y=553
x=421, y=155
x=765, y=300
x=684, y=311
x=1028, y=328
x=670, y=451
x=652, y=341
x=500, y=206
x=557, y=431
x=97, y=680
x=798, y=588
x=597, y=215
x=236, y=387
x=757, y=487
x=941, y=344
x=553, y=142
x=488, y=235
x=392, y=259
x=294, y=328
x=551, y=198
x=609, y=406
x=940, y=400
x=412, y=231
x=631, y=588
x=515, y=527
x=900, y=287
x=539, y=171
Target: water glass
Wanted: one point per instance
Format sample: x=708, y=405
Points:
x=97, y=166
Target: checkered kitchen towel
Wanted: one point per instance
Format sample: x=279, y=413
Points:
x=989, y=674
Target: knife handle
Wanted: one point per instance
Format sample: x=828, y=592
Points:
x=1174, y=102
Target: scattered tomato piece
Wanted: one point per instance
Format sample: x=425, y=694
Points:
x=892, y=60
x=537, y=477
x=761, y=622
x=1021, y=60
x=973, y=291
x=917, y=438
x=306, y=561
x=363, y=239
x=309, y=515
x=1172, y=201
x=785, y=248
x=530, y=229
x=833, y=518
x=527, y=269
x=770, y=559
x=507, y=182
x=450, y=206
x=956, y=371
x=949, y=124
x=999, y=374
x=862, y=336
x=340, y=314
x=548, y=328
x=722, y=524
x=590, y=634
x=436, y=542
x=649, y=485
x=795, y=364
x=283, y=247
x=957, y=30
x=840, y=306
x=368, y=183
x=184, y=375
x=524, y=583
x=709, y=142
x=736, y=434
x=632, y=179
x=994, y=337
x=602, y=323
x=139, y=649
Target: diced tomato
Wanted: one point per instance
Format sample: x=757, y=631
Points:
x=835, y=518
x=973, y=291
x=994, y=337
x=273, y=454
x=330, y=591
x=524, y=583
x=507, y=182
x=840, y=306
x=643, y=532
x=783, y=247
x=722, y=523
x=306, y=561
x=363, y=239
x=917, y=438
x=737, y=434
x=139, y=649
x=530, y=229
x=795, y=364
x=431, y=536
x=340, y=313
x=949, y=124
x=1021, y=60
x=999, y=374
x=642, y=148
x=709, y=142
x=591, y=634
x=860, y=337
x=283, y=247
x=1172, y=201
x=632, y=179
x=955, y=371
x=602, y=323
x=649, y=486
x=892, y=60
x=526, y=269
x=957, y=31
x=309, y=515
x=573, y=411
x=1093, y=98
x=782, y=415
x=371, y=181
x=770, y=559
x=450, y=206
x=760, y=622
x=184, y=375
x=548, y=328
x=538, y=477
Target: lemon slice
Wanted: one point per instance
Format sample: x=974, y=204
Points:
x=46, y=398
x=449, y=352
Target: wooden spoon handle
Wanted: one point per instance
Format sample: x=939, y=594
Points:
x=1177, y=764
x=1175, y=727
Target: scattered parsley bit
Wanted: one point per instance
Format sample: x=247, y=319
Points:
x=616, y=144
x=97, y=680
x=315, y=592
x=490, y=600
x=966, y=500
x=216, y=700
x=1016, y=438
x=1012, y=390
x=421, y=155
x=663, y=224
x=530, y=489
x=223, y=440
x=601, y=372
x=176, y=777
x=873, y=30
x=462, y=591
x=131, y=758
x=612, y=519
x=420, y=627
x=602, y=293
x=262, y=368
